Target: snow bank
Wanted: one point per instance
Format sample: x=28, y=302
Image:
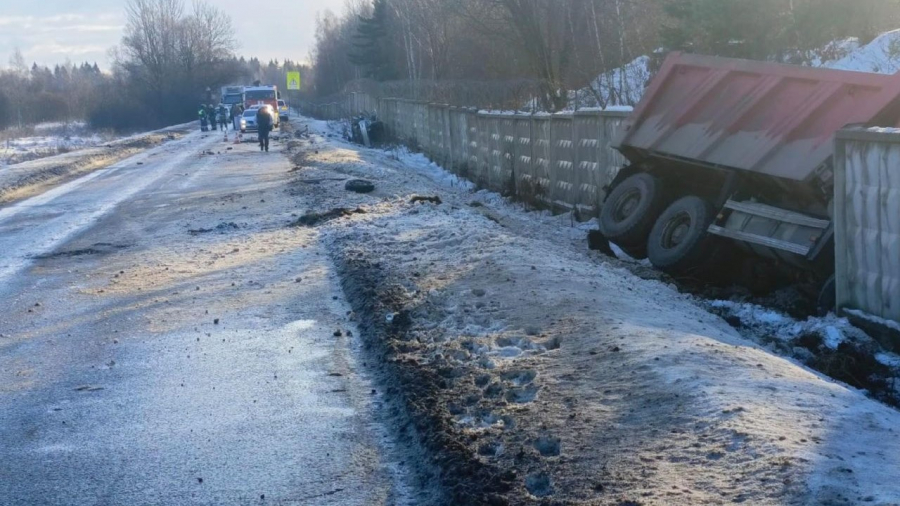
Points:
x=874, y=319
x=625, y=85
x=619, y=89
x=881, y=56
x=766, y=322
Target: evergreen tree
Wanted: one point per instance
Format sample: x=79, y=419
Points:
x=369, y=45
x=794, y=31
x=734, y=28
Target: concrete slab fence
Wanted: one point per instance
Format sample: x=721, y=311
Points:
x=563, y=161
x=867, y=221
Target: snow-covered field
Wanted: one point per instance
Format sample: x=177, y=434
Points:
x=47, y=139
x=48, y=166
x=564, y=376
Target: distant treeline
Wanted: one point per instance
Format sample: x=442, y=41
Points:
x=168, y=59
x=567, y=44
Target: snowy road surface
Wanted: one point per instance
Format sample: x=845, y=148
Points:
x=165, y=339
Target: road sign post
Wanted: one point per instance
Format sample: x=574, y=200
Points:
x=293, y=81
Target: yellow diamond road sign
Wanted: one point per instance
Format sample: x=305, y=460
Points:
x=293, y=81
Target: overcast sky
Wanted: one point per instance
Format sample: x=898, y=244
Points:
x=51, y=31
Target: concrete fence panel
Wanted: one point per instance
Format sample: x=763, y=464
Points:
x=867, y=221
x=483, y=171
x=509, y=170
x=542, y=156
x=524, y=166
x=459, y=139
x=566, y=159
x=612, y=161
x=587, y=177
x=447, y=140
x=421, y=126
x=563, y=147
x=474, y=144
x=496, y=153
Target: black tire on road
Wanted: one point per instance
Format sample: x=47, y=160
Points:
x=679, y=239
x=359, y=186
x=630, y=211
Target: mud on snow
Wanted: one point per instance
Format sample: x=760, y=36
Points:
x=525, y=370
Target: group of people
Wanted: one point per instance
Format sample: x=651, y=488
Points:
x=218, y=118
x=212, y=118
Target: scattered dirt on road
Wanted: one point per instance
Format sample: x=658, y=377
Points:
x=221, y=228
x=313, y=219
x=97, y=249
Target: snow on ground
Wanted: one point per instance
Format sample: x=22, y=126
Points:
x=623, y=86
x=29, y=178
x=47, y=139
x=591, y=384
x=881, y=56
x=775, y=324
x=874, y=319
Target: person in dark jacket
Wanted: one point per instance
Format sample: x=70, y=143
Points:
x=265, y=122
x=235, y=112
x=211, y=114
x=222, y=116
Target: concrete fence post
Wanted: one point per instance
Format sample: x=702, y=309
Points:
x=563, y=165
x=867, y=221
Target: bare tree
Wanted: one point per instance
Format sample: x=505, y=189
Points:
x=171, y=56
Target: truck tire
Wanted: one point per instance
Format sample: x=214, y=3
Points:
x=630, y=211
x=679, y=238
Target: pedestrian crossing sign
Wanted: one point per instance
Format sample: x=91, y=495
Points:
x=293, y=81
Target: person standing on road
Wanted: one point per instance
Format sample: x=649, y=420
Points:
x=211, y=113
x=237, y=112
x=223, y=117
x=203, y=118
x=265, y=122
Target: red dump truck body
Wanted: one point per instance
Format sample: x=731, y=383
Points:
x=762, y=117
x=730, y=152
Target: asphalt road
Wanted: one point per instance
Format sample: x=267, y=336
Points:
x=165, y=338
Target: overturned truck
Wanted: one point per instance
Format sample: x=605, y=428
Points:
x=730, y=162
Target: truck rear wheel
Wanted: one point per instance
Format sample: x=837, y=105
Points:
x=629, y=212
x=679, y=239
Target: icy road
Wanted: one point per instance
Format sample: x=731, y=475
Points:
x=164, y=339
x=215, y=326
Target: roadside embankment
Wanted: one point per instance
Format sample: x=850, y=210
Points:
x=535, y=373
x=23, y=180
